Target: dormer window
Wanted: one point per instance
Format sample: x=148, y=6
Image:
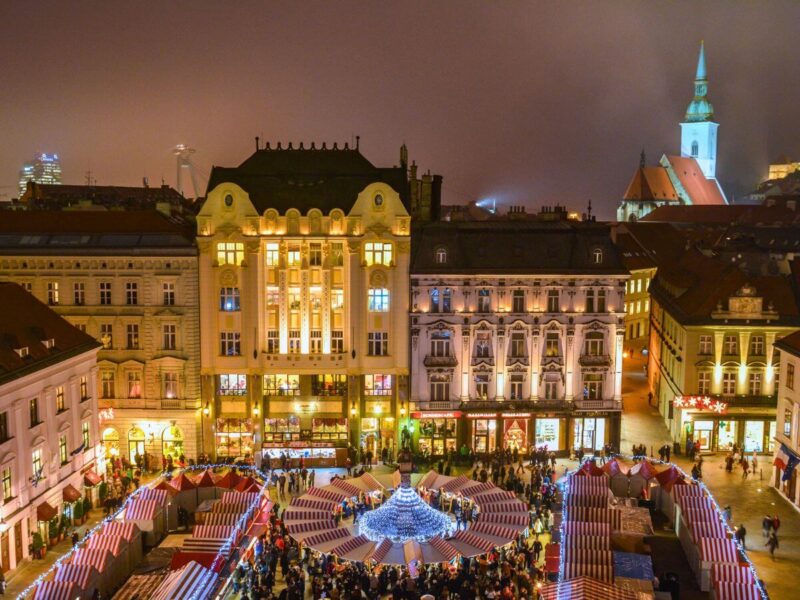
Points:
x=23, y=352
x=597, y=256
x=49, y=343
x=441, y=256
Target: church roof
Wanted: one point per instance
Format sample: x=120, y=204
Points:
x=698, y=188
x=651, y=183
x=310, y=177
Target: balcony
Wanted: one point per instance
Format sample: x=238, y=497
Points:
x=597, y=404
x=438, y=405
x=595, y=360
x=440, y=361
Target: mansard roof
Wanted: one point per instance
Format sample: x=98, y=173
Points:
x=308, y=177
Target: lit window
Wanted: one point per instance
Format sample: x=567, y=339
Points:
x=517, y=345
x=60, y=402
x=597, y=256
x=790, y=376
x=754, y=384
x=281, y=385
x=378, y=300
x=229, y=299
x=273, y=341
x=229, y=343
x=378, y=253
x=757, y=345
x=315, y=255
x=551, y=344
x=52, y=293
x=787, y=428
x=84, y=386
x=705, y=344
x=704, y=383
x=8, y=491
x=731, y=344
x=594, y=344
x=85, y=438
x=168, y=293
x=107, y=384
x=441, y=256
x=337, y=342
x=378, y=343
x=377, y=385
x=447, y=296
x=728, y=383
x=293, y=256
x=230, y=253
x=134, y=384
x=232, y=384
x=484, y=301
x=273, y=254
x=337, y=298
x=36, y=459
x=63, y=454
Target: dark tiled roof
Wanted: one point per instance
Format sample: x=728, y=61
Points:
x=790, y=343
x=308, y=178
x=73, y=193
x=26, y=322
x=513, y=247
x=634, y=255
x=742, y=214
x=57, y=232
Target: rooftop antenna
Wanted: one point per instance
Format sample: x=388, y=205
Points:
x=88, y=178
x=257, y=146
x=358, y=139
x=183, y=155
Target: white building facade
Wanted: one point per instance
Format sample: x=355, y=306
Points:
x=788, y=414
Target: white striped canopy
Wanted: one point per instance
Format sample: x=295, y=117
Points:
x=576, y=528
x=347, y=488
x=382, y=549
x=717, y=550
x=142, y=510
x=139, y=586
x=96, y=557
x=587, y=500
x=592, y=542
x=307, y=526
x=585, y=588
x=601, y=572
x=681, y=491
x=473, y=540
x=80, y=575
x=232, y=497
x=57, y=590
x=212, y=545
x=507, y=519
x=580, y=484
x=221, y=519
x=126, y=530
x=468, y=491
x=570, y=554
x=350, y=544
x=455, y=483
x=708, y=529
x=331, y=495
x=159, y=496
x=734, y=573
x=326, y=536
x=442, y=546
x=695, y=502
x=493, y=496
x=513, y=506
x=219, y=532
x=595, y=515
x=491, y=529
x=699, y=514
x=315, y=503
x=729, y=590
x=113, y=543
x=429, y=479
x=190, y=582
x=292, y=514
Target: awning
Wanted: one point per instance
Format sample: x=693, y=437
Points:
x=91, y=478
x=70, y=494
x=45, y=512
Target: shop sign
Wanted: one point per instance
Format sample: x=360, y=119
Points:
x=703, y=403
x=436, y=415
x=296, y=444
x=518, y=415
x=481, y=415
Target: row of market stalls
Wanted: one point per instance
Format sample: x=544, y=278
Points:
x=310, y=519
x=110, y=554
x=601, y=542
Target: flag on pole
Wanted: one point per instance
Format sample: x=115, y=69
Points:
x=786, y=460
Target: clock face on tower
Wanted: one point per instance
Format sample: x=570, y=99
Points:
x=701, y=89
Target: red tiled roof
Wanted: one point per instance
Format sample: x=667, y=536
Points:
x=651, y=183
x=790, y=343
x=699, y=189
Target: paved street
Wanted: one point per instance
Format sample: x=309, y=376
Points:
x=749, y=500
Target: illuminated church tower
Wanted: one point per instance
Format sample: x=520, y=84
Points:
x=698, y=130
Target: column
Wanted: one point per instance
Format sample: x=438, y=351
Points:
x=305, y=332
x=283, y=301
x=500, y=365
x=617, y=336
x=769, y=376
x=741, y=380
x=326, y=310
x=464, y=362
x=569, y=360
x=716, y=380
x=535, y=356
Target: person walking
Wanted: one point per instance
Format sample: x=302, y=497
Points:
x=740, y=535
x=776, y=523
x=745, y=469
x=772, y=542
x=766, y=526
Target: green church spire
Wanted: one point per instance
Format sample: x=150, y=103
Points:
x=700, y=108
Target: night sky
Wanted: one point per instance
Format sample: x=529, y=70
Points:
x=528, y=103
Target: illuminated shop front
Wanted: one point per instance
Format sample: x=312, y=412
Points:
x=515, y=431
x=136, y=443
x=588, y=433
x=110, y=442
x=234, y=438
x=437, y=432
x=484, y=434
x=547, y=432
x=172, y=442
x=377, y=433
x=317, y=440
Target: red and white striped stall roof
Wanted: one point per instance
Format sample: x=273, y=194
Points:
x=474, y=540
x=142, y=510
x=381, y=550
x=113, y=543
x=96, y=557
x=221, y=519
x=516, y=519
x=601, y=572
x=717, y=550
x=708, y=529
x=127, y=530
x=219, y=532
x=580, y=484
x=210, y=545
x=729, y=590
x=190, y=581
x=476, y=488
x=442, y=546
x=455, y=483
x=57, y=590
x=231, y=497
x=570, y=554
x=81, y=575
x=681, y=491
x=292, y=514
x=596, y=515
x=331, y=495
x=429, y=479
x=594, y=542
x=349, y=545
x=347, y=488
x=238, y=508
x=586, y=528
x=369, y=482
x=307, y=526
x=734, y=573
x=494, y=530
x=690, y=515
x=509, y=506
x=159, y=496
x=584, y=588
x=316, y=504
x=326, y=536
x=587, y=500
x=695, y=503
x=493, y=496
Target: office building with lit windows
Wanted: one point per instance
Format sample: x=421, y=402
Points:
x=129, y=281
x=516, y=336
x=44, y=168
x=303, y=258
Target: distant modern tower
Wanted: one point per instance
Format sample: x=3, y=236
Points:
x=698, y=130
x=44, y=168
x=183, y=154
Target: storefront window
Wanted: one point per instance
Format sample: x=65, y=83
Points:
x=437, y=436
x=234, y=437
x=754, y=436
x=548, y=433
x=515, y=434
x=726, y=437
x=704, y=433
x=771, y=441
x=589, y=433
x=334, y=430
x=377, y=385
x=281, y=385
x=135, y=443
x=172, y=442
x=111, y=442
x=484, y=435
x=232, y=385
x=282, y=429
x=329, y=385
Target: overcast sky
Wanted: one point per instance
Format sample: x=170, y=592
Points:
x=526, y=102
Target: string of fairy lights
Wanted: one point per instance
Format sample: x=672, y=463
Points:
x=210, y=574
x=565, y=487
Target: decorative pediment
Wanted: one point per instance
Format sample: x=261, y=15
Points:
x=64, y=426
x=595, y=325
x=440, y=325
x=8, y=457
x=132, y=363
x=483, y=325
x=37, y=441
x=483, y=368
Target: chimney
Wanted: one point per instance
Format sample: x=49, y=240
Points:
x=436, y=198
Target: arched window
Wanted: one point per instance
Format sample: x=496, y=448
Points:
x=435, y=300
x=172, y=442
x=136, y=441
x=597, y=256
x=695, y=148
x=111, y=442
x=441, y=256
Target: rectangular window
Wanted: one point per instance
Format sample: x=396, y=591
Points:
x=728, y=383
x=337, y=299
x=789, y=376
x=731, y=345
x=170, y=385
x=85, y=438
x=447, y=300
x=337, y=342
x=232, y=384
x=34, y=411
x=518, y=301
x=8, y=490
x=517, y=344
x=516, y=387
x=5, y=433
x=704, y=383
x=80, y=327
x=84, y=385
x=440, y=388
x=273, y=341
x=293, y=256
x=483, y=345
x=589, y=301
x=601, y=301
x=315, y=341
x=378, y=343
x=273, y=254
x=131, y=293
x=36, y=460
x=169, y=336
x=378, y=300
x=134, y=384
x=229, y=299
x=594, y=344
x=79, y=293
x=378, y=253
x=706, y=346
x=484, y=301
x=787, y=422
x=593, y=386
x=754, y=384
x=230, y=253
x=377, y=385
x=229, y=344
x=63, y=453
x=440, y=343
x=553, y=301
x=337, y=255
x=639, y=286
x=52, y=293
x=168, y=293
x=315, y=255
x=281, y=385
x=294, y=341
x=107, y=384
x=105, y=292
x=27, y=286
x=550, y=391
x=61, y=404
x=482, y=386
x=757, y=345
x=551, y=344
x=132, y=330
x=329, y=385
